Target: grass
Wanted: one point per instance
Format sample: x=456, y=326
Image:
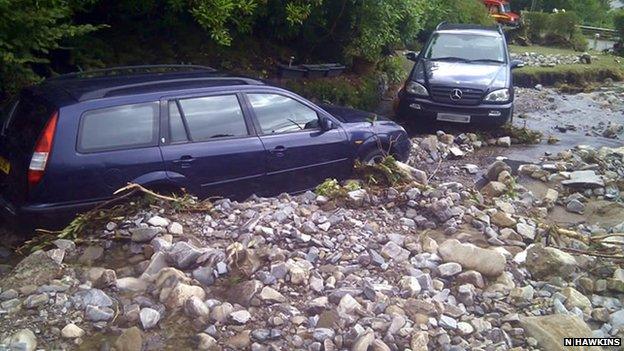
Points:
x=605, y=66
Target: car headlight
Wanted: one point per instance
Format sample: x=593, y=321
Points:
x=501, y=95
x=416, y=89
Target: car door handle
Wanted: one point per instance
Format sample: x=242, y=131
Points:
x=184, y=159
x=279, y=150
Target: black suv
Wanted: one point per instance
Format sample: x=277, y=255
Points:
x=463, y=75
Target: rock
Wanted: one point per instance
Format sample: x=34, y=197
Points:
x=419, y=341
x=465, y=328
x=493, y=189
x=485, y=261
x=411, y=285
x=149, y=318
x=449, y=269
x=271, y=295
x=65, y=245
x=158, y=221
x=240, y=317
x=221, y=312
x=72, y=331
x=617, y=319
x=206, y=342
x=239, y=341
x=504, y=141
x=544, y=262
x=181, y=293
x=243, y=292
x=357, y=197
x=184, y=255
x=551, y=196
x=502, y=219
x=91, y=254
x=158, y=261
x=348, y=305
x=575, y=206
x=95, y=297
x=37, y=268
x=130, y=284
x=321, y=334
x=495, y=169
x=549, y=331
x=195, y=307
x=584, y=179
x=526, y=231
x=575, y=299
x=299, y=271
x=23, y=340
x=393, y=251
x=142, y=235
x=97, y=314
x=36, y=300
x=130, y=340
x=363, y=342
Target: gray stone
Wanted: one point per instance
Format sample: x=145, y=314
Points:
x=544, y=262
x=393, y=251
x=240, y=317
x=94, y=297
x=320, y=334
x=449, y=269
x=72, y=331
x=23, y=340
x=142, y=235
x=575, y=206
x=584, y=179
x=184, y=255
x=131, y=284
x=149, y=318
x=34, y=301
x=485, y=261
x=96, y=314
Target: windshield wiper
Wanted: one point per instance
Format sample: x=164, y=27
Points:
x=449, y=58
x=487, y=60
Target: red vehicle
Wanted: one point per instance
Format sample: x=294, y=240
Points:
x=500, y=10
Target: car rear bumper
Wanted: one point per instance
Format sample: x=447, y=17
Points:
x=416, y=109
x=46, y=216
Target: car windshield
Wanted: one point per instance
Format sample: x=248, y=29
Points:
x=466, y=47
x=505, y=8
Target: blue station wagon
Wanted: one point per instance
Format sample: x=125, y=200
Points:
x=69, y=143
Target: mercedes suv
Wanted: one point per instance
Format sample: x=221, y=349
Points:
x=463, y=75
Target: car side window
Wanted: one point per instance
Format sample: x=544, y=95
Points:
x=214, y=117
x=177, y=132
x=281, y=114
x=119, y=127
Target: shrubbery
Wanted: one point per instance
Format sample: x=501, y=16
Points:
x=552, y=29
x=362, y=93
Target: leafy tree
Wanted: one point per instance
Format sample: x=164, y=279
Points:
x=29, y=29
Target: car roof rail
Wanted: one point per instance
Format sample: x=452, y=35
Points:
x=101, y=93
x=465, y=26
x=132, y=70
x=441, y=24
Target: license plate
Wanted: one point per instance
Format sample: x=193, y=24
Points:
x=5, y=166
x=451, y=117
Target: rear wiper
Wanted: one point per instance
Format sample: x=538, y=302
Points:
x=487, y=60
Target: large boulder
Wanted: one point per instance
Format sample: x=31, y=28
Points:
x=545, y=262
x=36, y=269
x=487, y=262
x=549, y=331
x=495, y=169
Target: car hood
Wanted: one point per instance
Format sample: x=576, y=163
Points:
x=351, y=115
x=470, y=75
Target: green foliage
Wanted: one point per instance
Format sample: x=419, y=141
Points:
x=362, y=93
x=217, y=16
x=385, y=173
x=332, y=189
x=618, y=22
x=453, y=11
x=592, y=12
x=29, y=30
x=553, y=29
x=394, y=68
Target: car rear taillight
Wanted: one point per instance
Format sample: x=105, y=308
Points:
x=40, y=156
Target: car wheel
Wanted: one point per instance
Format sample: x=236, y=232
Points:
x=373, y=157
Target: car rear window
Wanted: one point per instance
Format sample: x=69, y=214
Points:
x=214, y=117
x=119, y=127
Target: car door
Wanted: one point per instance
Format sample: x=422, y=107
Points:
x=212, y=149
x=299, y=154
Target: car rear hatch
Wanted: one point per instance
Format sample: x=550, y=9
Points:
x=21, y=125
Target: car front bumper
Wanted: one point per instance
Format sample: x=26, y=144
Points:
x=412, y=109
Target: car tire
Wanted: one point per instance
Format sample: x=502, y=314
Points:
x=373, y=157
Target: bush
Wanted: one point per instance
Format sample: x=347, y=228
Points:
x=553, y=29
x=394, y=68
x=618, y=22
x=357, y=92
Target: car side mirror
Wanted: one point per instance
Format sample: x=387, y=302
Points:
x=326, y=124
x=412, y=55
x=517, y=64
